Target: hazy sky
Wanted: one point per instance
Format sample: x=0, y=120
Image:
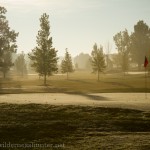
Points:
x=75, y=24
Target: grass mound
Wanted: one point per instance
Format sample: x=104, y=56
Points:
x=74, y=127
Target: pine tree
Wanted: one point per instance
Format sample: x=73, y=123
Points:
x=66, y=64
x=20, y=65
x=98, y=60
x=7, y=43
x=44, y=56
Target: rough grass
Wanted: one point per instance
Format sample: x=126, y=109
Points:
x=74, y=127
x=79, y=82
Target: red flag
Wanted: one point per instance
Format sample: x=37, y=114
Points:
x=145, y=62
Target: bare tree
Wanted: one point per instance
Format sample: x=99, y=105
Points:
x=108, y=48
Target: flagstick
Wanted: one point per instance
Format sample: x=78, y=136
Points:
x=145, y=84
x=145, y=64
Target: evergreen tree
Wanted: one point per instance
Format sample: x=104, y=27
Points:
x=20, y=65
x=7, y=43
x=66, y=64
x=97, y=60
x=44, y=56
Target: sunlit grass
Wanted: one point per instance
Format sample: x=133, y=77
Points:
x=80, y=82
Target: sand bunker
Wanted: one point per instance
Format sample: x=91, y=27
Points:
x=121, y=100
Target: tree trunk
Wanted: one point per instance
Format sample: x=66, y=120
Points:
x=98, y=75
x=4, y=74
x=45, y=79
x=22, y=72
x=107, y=62
x=67, y=75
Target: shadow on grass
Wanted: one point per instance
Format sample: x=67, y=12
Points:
x=80, y=81
x=93, y=97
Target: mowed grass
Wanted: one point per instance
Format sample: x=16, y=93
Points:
x=74, y=127
x=79, y=82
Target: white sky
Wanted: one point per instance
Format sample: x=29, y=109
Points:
x=75, y=24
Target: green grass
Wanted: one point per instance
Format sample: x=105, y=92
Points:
x=79, y=82
x=77, y=127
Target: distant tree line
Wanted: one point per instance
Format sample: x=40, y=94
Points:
x=20, y=65
x=83, y=62
x=131, y=49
